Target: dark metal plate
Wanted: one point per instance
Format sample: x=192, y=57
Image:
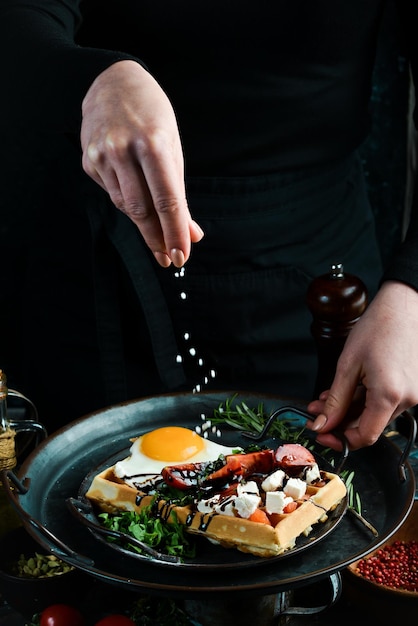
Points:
x=56, y=469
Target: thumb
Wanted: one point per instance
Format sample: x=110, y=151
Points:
x=337, y=403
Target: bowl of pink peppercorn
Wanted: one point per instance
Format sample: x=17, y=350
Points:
x=385, y=582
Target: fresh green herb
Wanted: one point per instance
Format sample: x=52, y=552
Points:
x=175, y=496
x=169, y=537
x=242, y=417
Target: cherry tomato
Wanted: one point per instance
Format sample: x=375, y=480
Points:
x=115, y=620
x=61, y=615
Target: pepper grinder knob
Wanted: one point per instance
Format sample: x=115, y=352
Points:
x=336, y=301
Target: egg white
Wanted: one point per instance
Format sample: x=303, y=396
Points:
x=138, y=465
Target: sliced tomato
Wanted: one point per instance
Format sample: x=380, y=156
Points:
x=183, y=476
x=289, y=508
x=260, y=517
x=244, y=465
x=61, y=615
x=227, y=473
x=293, y=457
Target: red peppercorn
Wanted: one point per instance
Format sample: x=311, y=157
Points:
x=395, y=566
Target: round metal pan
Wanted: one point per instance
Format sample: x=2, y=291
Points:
x=55, y=470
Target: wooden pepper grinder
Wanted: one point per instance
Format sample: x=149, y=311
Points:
x=336, y=301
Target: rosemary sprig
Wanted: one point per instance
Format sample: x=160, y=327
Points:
x=242, y=417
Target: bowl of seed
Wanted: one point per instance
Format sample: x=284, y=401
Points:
x=385, y=582
x=31, y=579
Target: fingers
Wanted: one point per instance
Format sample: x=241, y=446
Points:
x=167, y=227
x=131, y=148
x=366, y=428
x=152, y=195
x=334, y=404
x=355, y=411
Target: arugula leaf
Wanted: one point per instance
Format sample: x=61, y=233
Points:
x=169, y=537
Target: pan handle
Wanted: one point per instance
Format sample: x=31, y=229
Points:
x=12, y=485
x=30, y=425
x=410, y=442
x=335, y=581
x=307, y=416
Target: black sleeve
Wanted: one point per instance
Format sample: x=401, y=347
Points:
x=404, y=265
x=45, y=74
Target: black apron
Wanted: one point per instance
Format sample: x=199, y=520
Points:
x=266, y=238
x=236, y=317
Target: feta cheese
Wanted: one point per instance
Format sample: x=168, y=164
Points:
x=276, y=501
x=208, y=506
x=273, y=481
x=295, y=488
x=312, y=474
x=249, y=487
x=246, y=504
x=226, y=507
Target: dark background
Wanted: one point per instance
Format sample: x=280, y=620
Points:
x=23, y=163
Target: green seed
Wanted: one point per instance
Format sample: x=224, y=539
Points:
x=41, y=566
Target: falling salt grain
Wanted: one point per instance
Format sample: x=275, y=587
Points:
x=186, y=336
x=200, y=362
x=198, y=429
x=212, y=373
x=183, y=295
x=192, y=351
x=179, y=358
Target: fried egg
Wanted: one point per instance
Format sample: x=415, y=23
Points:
x=169, y=445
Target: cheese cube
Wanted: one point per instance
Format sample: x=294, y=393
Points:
x=246, y=504
x=312, y=474
x=276, y=501
x=273, y=481
x=208, y=506
x=295, y=488
x=249, y=487
x=226, y=507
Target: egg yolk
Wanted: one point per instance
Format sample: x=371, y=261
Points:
x=171, y=443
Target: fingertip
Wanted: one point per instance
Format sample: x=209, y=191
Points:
x=196, y=232
x=162, y=259
x=319, y=422
x=177, y=257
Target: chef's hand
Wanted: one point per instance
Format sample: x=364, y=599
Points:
x=377, y=372
x=131, y=148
